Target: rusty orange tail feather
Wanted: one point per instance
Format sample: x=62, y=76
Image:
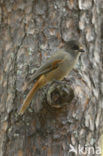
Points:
x=39, y=83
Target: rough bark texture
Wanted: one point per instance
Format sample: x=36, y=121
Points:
x=30, y=31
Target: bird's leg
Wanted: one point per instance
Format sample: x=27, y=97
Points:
x=56, y=81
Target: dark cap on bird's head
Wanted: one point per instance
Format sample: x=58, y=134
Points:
x=73, y=45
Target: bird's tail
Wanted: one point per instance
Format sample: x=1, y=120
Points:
x=39, y=83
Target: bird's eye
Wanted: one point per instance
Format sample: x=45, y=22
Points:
x=75, y=47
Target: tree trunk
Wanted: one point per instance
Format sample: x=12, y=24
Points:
x=30, y=31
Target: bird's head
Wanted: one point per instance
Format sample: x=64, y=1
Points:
x=74, y=46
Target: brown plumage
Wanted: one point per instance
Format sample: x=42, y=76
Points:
x=56, y=68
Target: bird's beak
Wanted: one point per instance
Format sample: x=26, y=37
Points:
x=81, y=49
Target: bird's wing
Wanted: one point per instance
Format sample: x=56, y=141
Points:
x=51, y=64
x=45, y=69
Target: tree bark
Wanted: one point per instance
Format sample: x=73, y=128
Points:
x=63, y=115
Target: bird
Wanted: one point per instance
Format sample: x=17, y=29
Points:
x=55, y=68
